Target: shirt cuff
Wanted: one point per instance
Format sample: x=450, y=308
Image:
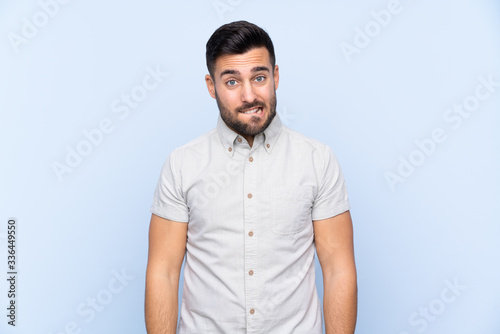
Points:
x=329, y=212
x=170, y=213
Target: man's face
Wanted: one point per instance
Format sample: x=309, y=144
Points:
x=245, y=89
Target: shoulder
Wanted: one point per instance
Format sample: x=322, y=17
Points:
x=305, y=148
x=197, y=146
x=302, y=142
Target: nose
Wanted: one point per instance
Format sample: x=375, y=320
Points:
x=247, y=93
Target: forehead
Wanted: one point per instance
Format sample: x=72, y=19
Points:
x=243, y=62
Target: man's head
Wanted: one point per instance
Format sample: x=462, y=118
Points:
x=243, y=77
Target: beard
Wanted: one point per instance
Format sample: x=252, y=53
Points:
x=253, y=126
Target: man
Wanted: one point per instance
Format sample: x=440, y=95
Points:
x=247, y=204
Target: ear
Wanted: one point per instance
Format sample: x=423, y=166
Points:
x=276, y=77
x=210, y=85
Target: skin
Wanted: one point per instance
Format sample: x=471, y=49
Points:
x=241, y=82
x=167, y=246
x=334, y=245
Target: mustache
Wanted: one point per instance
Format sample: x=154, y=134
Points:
x=252, y=105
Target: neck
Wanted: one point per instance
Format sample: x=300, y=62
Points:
x=249, y=139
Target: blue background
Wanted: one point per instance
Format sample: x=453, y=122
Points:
x=435, y=227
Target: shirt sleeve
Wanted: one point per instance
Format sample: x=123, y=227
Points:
x=168, y=199
x=331, y=199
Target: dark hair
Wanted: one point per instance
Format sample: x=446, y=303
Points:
x=237, y=38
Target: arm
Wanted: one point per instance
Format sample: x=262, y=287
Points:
x=167, y=246
x=334, y=245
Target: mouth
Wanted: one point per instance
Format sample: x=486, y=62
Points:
x=256, y=110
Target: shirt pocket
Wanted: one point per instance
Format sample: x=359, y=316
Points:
x=291, y=207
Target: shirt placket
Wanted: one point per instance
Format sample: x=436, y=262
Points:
x=251, y=199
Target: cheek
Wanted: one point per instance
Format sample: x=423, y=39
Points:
x=266, y=95
x=230, y=97
x=228, y=101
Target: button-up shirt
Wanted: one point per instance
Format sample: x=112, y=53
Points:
x=250, y=240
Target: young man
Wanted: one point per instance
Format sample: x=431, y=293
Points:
x=247, y=204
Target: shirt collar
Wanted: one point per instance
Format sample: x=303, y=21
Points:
x=228, y=136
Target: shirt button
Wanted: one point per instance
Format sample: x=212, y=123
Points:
x=268, y=145
x=252, y=311
x=250, y=234
x=249, y=195
x=250, y=273
x=239, y=140
x=250, y=159
x=230, y=149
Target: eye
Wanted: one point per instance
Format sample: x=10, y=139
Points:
x=260, y=78
x=231, y=82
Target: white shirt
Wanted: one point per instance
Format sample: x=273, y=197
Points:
x=250, y=242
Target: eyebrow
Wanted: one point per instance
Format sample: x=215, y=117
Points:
x=236, y=72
